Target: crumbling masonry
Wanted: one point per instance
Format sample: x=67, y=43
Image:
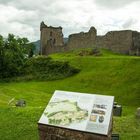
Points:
x=51, y=39
x=125, y=41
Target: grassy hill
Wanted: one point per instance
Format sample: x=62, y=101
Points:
x=108, y=74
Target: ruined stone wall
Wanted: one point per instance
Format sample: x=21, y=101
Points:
x=82, y=40
x=51, y=39
x=117, y=41
x=135, y=49
x=100, y=42
x=49, y=49
x=125, y=42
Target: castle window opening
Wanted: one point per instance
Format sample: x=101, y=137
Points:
x=54, y=41
x=51, y=33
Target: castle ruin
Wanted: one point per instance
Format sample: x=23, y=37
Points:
x=82, y=40
x=51, y=39
x=124, y=42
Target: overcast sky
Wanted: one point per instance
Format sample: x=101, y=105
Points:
x=23, y=17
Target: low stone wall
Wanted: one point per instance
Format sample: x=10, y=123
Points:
x=47, y=132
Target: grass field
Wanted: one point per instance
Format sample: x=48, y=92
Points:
x=109, y=74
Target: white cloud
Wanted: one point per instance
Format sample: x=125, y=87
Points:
x=114, y=4
x=23, y=17
x=18, y=22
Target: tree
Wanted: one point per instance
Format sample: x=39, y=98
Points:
x=14, y=51
x=1, y=54
x=29, y=50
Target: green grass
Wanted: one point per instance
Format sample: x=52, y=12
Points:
x=109, y=74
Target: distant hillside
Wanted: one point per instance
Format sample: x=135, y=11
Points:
x=37, y=44
x=65, y=40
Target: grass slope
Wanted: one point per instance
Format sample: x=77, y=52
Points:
x=109, y=74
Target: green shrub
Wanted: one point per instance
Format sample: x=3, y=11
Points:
x=14, y=51
x=44, y=68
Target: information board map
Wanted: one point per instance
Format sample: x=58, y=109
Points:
x=79, y=111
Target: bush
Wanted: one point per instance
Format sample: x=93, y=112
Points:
x=14, y=51
x=44, y=68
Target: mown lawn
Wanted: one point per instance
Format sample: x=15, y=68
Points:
x=109, y=74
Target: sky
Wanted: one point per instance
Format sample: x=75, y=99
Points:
x=23, y=17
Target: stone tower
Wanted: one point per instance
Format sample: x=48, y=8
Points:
x=50, y=38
